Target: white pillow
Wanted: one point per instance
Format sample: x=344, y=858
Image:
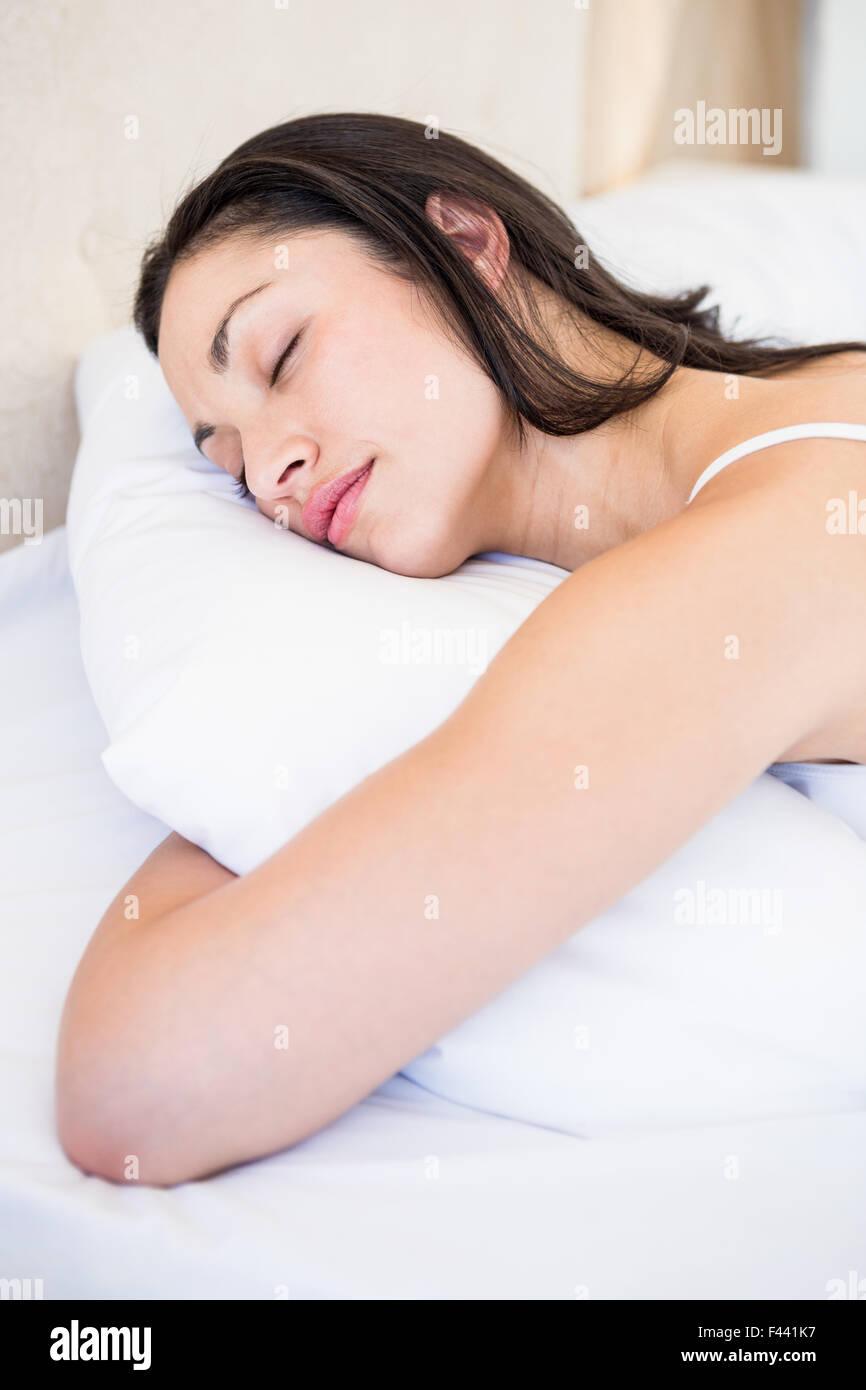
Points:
x=210, y=636
x=783, y=252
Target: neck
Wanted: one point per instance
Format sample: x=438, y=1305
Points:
x=566, y=500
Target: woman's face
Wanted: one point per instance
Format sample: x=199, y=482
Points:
x=371, y=376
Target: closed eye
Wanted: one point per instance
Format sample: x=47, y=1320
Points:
x=284, y=357
x=240, y=484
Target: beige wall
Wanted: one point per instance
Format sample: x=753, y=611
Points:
x=649, y=59
x=188, y=82
x=108, y=109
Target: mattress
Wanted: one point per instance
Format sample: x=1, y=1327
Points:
x=408, y=1196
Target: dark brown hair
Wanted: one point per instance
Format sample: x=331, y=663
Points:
x=370, y=175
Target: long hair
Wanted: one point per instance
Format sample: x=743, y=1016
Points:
x=370, y=175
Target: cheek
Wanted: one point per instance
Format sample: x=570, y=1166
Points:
x=462, y=421
x=359, y=384
x=388, y=376
x=287, y=518
x=421, y=525
x=385, y=378
x=423, y=520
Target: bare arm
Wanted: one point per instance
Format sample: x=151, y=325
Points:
x=175, y=873
x=447, y=874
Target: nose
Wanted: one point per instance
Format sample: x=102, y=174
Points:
x=282, y=474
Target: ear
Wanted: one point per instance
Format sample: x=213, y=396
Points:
x=476, y=229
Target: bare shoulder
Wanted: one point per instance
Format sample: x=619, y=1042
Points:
x=752, y=555
x=806, y=475
x=796, y=515
x=836, y=364
x=743, y=614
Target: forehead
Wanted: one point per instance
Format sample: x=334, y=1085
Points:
x=200, y=292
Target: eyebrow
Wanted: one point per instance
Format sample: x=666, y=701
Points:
x=219, y=357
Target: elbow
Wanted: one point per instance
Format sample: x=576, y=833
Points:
x=144, y=1095
x=105, y=1131
x=115, y=1117
x=137, y=1116
x=110, y=1117
x=105, y=1136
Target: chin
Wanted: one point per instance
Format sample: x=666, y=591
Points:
x=424, y=541
x=419, y=557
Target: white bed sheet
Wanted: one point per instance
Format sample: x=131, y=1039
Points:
x=407, y=1196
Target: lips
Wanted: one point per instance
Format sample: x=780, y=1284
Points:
x=319, y=508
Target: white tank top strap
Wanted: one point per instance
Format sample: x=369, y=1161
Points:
x=831, y=429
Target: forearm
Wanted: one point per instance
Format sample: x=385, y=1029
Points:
x=171, y=1046
x=175, y=875
x=176, y=872
x=243, y=1021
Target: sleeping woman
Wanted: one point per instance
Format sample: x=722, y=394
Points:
x=404, y=351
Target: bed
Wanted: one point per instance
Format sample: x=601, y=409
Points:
x=408, y=1196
